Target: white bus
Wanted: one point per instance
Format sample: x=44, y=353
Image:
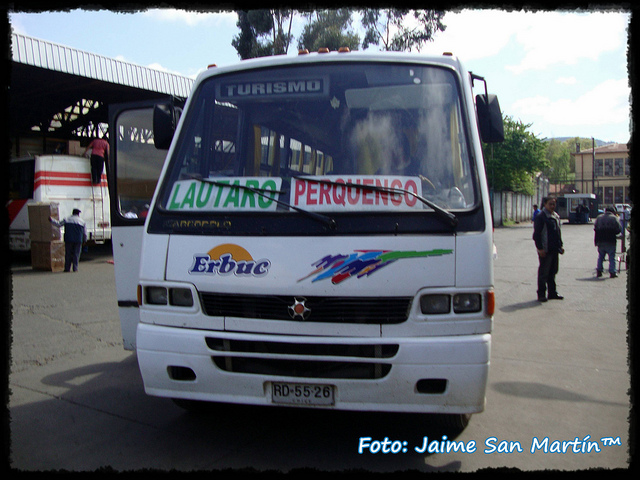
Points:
x=320, y=235
x=61, y=179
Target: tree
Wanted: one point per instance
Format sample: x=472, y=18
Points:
x=268, y=32
x=262, y=33
x=330, y=29
x=394, y=29
x=559, y=158
x=577, y=144
x=512, y=164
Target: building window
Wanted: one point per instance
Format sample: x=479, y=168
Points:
x=619, y=167
x=599, y=168
x=608, y=195
x=608, y=167
x=619, y=195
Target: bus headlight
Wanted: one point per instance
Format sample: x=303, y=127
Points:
x=180, y=297
x=175, y=296
x=467, y=302
x=156, y=295
x=435, y=304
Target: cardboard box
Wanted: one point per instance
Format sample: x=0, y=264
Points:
x=40, y=229
x=48, y=256
x=75, y=148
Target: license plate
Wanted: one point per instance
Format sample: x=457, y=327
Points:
x=302, y=394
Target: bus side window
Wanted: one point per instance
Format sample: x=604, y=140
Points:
x=139, y=162
x=276, y=154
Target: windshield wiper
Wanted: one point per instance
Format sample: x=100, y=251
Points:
x=445, y=215
x=265, y=193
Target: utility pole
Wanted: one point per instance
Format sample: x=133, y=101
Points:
x=593, y=165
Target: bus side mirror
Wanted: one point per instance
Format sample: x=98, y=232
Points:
x=490, y=118
x=165, y=121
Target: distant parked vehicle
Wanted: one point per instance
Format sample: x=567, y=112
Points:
x=61, y=179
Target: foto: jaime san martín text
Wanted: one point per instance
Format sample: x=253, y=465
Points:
x=492, y=445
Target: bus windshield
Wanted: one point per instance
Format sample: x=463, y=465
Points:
x=311, y=139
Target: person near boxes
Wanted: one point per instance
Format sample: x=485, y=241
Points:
x=75, y=234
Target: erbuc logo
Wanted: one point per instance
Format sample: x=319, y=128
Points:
x=229, y=259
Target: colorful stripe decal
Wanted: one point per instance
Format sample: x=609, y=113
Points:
x=65, y=179
x=363, y=263
x=53, y=179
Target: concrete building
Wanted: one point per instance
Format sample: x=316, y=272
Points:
x=606, y=172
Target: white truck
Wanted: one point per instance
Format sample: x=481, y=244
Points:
x=320, y=235
x=61, y=179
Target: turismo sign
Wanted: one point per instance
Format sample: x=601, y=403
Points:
x=335, y=194
x=229, y=193
x=283, y=88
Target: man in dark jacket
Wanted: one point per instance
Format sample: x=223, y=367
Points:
x=607, y=227
x=548, y=240
x=75, y=235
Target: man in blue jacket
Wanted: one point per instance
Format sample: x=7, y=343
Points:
x=548, y=240
x=75, y=234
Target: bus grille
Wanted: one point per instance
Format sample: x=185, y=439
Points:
x=359, y=310
x=355, y=362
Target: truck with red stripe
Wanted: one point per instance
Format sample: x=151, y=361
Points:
x=61, y=179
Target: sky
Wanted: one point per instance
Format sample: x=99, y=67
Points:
x=564, y=73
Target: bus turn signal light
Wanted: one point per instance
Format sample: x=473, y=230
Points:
x=491, y=302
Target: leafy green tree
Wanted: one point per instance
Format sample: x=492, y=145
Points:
x=268, y=32
x=394, y=30
x=576, y=144
x=559, y=159
x=262, y=33
x=329, y=28
x=512, y=164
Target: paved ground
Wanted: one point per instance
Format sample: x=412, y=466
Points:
x=559, y=372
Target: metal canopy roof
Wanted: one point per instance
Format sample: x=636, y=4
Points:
x=63, y=92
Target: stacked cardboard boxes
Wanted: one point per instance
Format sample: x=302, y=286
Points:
x=75, y=148
x=47, y=247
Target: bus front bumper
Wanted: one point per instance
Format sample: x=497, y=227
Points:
x=423, y=374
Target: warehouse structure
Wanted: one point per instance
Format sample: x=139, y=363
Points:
x=59, y=96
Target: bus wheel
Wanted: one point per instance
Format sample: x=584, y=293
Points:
x=454, y=421
x=193, y=406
